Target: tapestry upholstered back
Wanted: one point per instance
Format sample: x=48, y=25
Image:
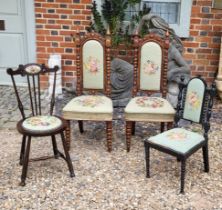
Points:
x=150, y=64
x=93, y=63
x=194, y=100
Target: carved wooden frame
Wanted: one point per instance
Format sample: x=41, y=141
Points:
x=106, y=44
x=164, y=45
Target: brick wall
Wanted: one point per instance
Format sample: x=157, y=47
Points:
x=202, y=48
x=57, y=19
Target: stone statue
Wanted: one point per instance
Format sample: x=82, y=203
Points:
x=122, y=72
x=121, y=81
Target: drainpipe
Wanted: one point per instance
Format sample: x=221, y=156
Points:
x=55, y=60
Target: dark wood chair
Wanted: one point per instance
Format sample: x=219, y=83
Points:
x=37, y=124
x=150, y=77
x=195, y=102
x=93, y=76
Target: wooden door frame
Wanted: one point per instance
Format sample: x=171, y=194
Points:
x=30, y=33
x=28, y=7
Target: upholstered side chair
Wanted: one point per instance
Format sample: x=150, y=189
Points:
x=150, y=76
x=195, y=102
x=93, y=77
x=37, y=123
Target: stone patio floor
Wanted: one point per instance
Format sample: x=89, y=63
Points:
x=105, y=180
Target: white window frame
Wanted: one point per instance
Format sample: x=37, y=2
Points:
x=182, y=29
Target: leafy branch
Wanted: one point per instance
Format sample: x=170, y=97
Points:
x=113, y=16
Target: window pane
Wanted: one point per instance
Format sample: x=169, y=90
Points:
x=130, y=11
x=167, y=10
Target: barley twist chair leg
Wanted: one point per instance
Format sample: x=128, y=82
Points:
x=68, y=134
x=21, y=159
x=133, y=128
x=109, y=135
x=169, y=125
x=68, y=159
x=183, y=171
x=162, y=126
x=147, y=159
x=55, y=149
x=80, y=122
x=128, y=134
x=205, y=158
x=25, y=162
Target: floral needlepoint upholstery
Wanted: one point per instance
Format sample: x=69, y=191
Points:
x=90, y=101
x=144, y=108
x=93, y=65
x=177, y=139
x=152, y=102
x=33, y=69
x=150, y=69
x=89, y=107
x=194, y=100
x=41, y=123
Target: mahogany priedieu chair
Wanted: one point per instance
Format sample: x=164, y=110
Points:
x=93, y=77
x=150, y=77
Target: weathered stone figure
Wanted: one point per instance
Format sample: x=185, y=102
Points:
x=121, y=81
x=122, y=72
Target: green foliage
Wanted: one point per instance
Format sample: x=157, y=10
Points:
x=98, y=23
x=137, y=17
x=133, y=2
x=113, y=16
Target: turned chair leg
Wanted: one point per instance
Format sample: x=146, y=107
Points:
x=80, y=122
x=183, y=171
x=22, y=152
x=169, y=125
x=68, y=159
x=109, y=135
x=147, y=159
x=25, y=162
x=68, y=134
x=205, y=158
x=133, y=128
x=55, y=148
x=162, y=125
x=128, y=134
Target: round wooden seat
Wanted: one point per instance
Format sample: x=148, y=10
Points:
x=41, y=125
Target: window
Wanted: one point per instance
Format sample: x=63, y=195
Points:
x=175, y=12
x=169, y=11
x=130, y=11
x=217, y=4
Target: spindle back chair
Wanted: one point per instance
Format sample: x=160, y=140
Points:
x=36, y=123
